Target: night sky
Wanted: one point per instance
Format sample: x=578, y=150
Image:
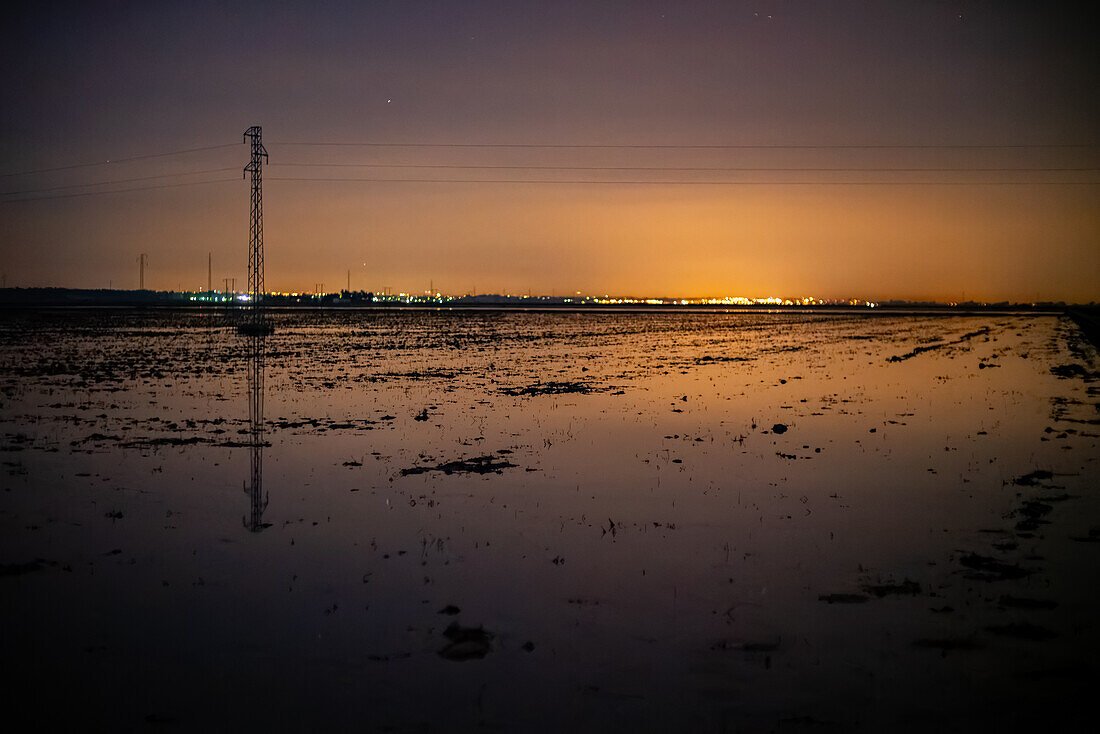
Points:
x=835, y=81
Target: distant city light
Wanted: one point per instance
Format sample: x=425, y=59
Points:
x=343, y=298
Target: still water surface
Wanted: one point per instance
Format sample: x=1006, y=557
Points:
x=527, y=521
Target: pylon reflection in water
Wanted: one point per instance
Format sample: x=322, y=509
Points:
x=258, y=500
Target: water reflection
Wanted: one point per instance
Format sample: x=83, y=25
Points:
x=654, y=553
x=258, y=500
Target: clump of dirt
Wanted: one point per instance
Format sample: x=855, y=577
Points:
x=843, y=598
x=1092, y=537
x=552, y=388
x=1023, y=631
x=1022, y=602
x=949, y=643
x=760, y=646
x=911, y=588
x=940, y=345
x=466, y=643
x=19, y=569
x=985, y=568
x=710, y=359
x=1072, y=370
x=1032, y=512
x=477, y=465
x=1034, y=478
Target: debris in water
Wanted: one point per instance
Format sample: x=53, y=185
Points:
x=477, y=465
x=466, y=643
x=984, y=568
x=1069, y=371
x=1033, y=479
x=881, y=590
x=18, y=569
x=551, y=388
x=949, y=643
x=843, y=598
x=940, y=345
x=1021, y=602
x=1023, y=631
x=763, y=646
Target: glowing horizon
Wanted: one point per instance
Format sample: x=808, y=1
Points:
x=979, y=199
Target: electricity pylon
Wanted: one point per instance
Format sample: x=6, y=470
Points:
x=255, y=322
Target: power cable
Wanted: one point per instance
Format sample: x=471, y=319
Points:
x=687, y=169
x=633, y=146
x=119, y=160
x=119, y=191
x=682, y=183
x=117, y=181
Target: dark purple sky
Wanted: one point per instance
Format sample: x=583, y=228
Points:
x=92, y=82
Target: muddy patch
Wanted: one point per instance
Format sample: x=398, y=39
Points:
x=553, y=388
x=487, y=464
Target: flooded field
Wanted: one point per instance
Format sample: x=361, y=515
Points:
x=550, y=521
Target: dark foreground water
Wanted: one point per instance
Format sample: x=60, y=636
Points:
x=547, y=522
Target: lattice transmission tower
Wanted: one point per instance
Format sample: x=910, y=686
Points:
x=255, y=321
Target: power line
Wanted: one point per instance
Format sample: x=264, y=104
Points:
x=633, y=146
x=583, y=146
x=690, y=169
x=119, y=191
x=636, y=182
x=116, y=181
x=680, y=183
x=120, y=160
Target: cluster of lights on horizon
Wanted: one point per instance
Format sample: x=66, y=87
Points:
x=344, y=297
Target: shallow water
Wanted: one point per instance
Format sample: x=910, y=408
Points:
x=661, y=520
